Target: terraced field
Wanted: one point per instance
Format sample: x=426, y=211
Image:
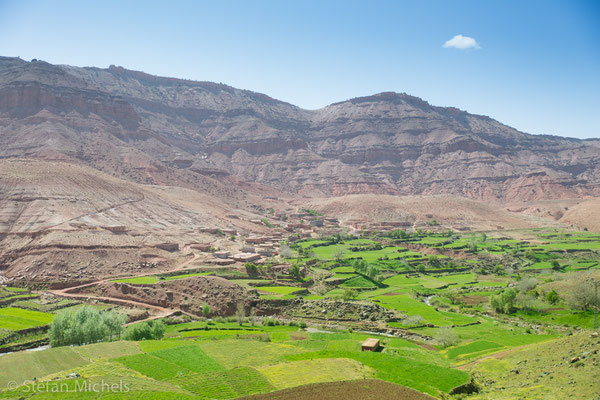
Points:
x=233, y=367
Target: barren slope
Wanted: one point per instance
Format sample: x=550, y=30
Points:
x=178, y=132
x=56, y=220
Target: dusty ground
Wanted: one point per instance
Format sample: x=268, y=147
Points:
x=453, y=212
x=369, y=389
x=54, y=218
x=187, y=295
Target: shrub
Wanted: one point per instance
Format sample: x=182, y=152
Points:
x=240, y=313
x=349, y=294
x=302, y=325
x=555, y=265
x=148, y=330
x=552, y=297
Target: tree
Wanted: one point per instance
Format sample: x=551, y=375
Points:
x=433, y=260
x=530, y=254
x=114, y=323
x=339, y=254
x=552, y=297
x=295, y=272
x=504, y=302
x=526, y=301
x=581, y=296
x=499, y=269
x=349, y=294
x=447, y=337
x=205, y=310
x=85, y=325
x=527, y=284
x=286, y=251
x=556, y=265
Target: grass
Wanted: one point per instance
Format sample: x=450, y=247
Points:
x=359, y=282
x=470, y=348
x=406, y=304
x=17, y=318
x=543, y=372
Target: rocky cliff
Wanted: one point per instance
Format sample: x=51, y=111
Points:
x=169, y=131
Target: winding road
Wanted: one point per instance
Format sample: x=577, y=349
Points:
x=156, y=311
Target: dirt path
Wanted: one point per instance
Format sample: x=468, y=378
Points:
x=156, y=311
x=179, y=267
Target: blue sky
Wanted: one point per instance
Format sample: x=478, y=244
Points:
x=536, y=68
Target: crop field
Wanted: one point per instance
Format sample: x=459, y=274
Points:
x=282, y=290
x=153, y=279
x=232, y=367
x=444, y=289
x=22, y=366
x=17, y=318
x=302, y=372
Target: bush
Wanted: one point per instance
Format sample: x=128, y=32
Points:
x=85, y=325
x=413, y=320
x=302, y=325
x=552, y=297
x=251, y=269
x=349, y=294
x=148, y=330
x=447, y=337
x=205, y=310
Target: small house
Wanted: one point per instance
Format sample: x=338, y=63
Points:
x=370, y=344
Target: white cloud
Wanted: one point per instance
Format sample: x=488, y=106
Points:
x=462, y=43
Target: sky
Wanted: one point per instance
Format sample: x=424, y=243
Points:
x=533, y=65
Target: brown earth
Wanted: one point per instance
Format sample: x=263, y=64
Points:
x=368, y=389
x=54, y=218
x=450, y=211
x=188, y=295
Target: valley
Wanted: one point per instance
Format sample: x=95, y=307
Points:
x=163, y=238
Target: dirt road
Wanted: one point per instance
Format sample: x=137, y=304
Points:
x=156, y=311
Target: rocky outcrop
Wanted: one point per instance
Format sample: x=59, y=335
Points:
x=165, y=130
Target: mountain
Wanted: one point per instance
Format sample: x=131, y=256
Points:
x=158, y=130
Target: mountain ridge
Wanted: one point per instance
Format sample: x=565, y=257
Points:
x=158, y=129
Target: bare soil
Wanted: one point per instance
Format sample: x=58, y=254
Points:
x=369, y=389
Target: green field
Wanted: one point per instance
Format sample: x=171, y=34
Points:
x=17, y=318
x=153, y=279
